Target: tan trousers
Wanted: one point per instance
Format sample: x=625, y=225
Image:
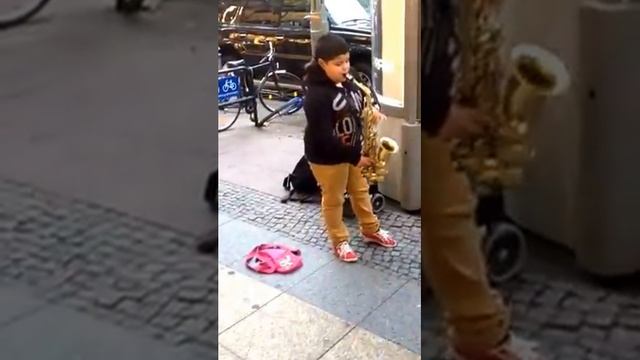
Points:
x=333, y=181
x=451, y=253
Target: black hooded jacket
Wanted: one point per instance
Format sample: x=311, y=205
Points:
x=333, y=134
x=438, y=49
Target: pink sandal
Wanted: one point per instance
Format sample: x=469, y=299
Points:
x=345, y=253
x=381, y=237
x=273, y=258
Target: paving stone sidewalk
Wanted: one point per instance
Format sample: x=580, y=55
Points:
x=571, y=318
x=302, y=222
x=144, y=276
x=124, y=270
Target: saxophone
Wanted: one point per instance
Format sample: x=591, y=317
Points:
x=496, y=160
x=377, y=148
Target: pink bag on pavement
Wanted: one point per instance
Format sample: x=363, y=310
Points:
x=273, y=258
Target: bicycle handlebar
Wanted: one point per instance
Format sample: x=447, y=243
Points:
x=270, y=53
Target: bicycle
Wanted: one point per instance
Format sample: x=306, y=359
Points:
x=291, y=106
x=277, y=84
x=16, y=12
x=285, y=85
x=236, y=92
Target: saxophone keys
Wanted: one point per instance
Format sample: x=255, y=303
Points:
x=522, y=128
x=510, y=134
x=512, y=177
x=514, y=154
x=490, y=163
x=470, y=167
x=488, y=176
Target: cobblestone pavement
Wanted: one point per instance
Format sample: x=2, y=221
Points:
x=125, y=270
x=571, y=320
x=144, y=276
x=302, y=223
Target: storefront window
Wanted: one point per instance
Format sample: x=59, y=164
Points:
x=346, y=11
x=264, y=12
x=388, y=46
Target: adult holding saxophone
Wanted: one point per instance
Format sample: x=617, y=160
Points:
x=477, y=320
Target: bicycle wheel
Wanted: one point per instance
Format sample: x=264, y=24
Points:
x=279, y=86
x=228, y=115
x=15, y=12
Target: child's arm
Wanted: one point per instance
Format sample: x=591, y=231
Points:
x=318, y=110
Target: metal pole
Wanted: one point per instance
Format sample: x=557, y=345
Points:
x=317, y=22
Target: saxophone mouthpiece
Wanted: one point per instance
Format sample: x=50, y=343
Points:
x=348, y=77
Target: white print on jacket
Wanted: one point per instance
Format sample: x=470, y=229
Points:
x=346, y=124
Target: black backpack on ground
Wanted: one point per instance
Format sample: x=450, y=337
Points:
x=208, y=244
x=211, y=191
x=300, y=181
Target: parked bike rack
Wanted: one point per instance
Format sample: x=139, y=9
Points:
x=246, y=94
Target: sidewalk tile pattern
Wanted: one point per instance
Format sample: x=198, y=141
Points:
x=289, y=328
x=128, y=271
x=302, y=222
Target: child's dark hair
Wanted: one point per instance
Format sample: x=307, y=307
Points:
x=328, y=47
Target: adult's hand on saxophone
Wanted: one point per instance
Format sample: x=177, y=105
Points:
x=463, y=123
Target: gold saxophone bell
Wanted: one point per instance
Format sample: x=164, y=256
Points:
x=540, y=69
x=387, y=147
x=536, y=72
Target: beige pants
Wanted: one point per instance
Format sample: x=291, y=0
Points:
x=333, y=181
x=452, y=256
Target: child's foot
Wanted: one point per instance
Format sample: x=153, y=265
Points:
x=382, y=238
x=345, y=253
